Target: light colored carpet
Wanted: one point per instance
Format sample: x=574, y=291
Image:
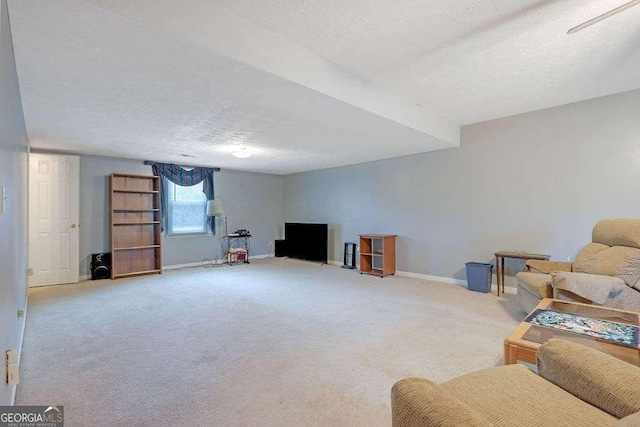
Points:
x=277, y=342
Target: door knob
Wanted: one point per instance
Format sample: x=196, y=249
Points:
x=74, y=225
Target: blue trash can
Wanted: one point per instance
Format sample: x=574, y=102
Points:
x=479, y=276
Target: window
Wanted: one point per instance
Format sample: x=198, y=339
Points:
x=186, y=209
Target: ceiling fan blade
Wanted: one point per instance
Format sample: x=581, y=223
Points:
x=603, y=16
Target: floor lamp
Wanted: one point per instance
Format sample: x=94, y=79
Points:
x=215, y=210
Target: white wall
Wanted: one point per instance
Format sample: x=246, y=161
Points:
x=536, y=182
x=252, y=201
x=13, y=175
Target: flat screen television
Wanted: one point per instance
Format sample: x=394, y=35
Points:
x=306, y=241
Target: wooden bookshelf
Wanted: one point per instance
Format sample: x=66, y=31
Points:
x=378, y=254
x=135, y=225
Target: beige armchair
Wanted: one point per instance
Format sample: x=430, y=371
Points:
x=605, y=272
x=575, y=386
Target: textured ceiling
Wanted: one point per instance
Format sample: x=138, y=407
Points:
x=311, y=84
x=95, y=82
x=469, y=60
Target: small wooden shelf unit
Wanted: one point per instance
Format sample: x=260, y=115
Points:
x=135, y=225
x=378, y=254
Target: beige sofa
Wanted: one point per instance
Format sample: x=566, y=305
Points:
x=576, y=386
x=605, y=272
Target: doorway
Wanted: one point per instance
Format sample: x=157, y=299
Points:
x=54, y=211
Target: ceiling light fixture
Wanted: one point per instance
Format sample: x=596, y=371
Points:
x=228, y=148
x=242, y=153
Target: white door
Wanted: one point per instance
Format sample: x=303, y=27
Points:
x=54, y=236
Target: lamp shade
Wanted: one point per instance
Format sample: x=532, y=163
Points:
x=214, y=207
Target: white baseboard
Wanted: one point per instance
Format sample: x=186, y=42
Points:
x=191, y=264
x=12, y=398
x=440, y=279
x=201, y=263
x=449, y=280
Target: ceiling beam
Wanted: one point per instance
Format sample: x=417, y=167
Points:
x=215, y=28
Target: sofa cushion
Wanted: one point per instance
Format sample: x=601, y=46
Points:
x=543, y=266
x=617, y=232
x=617, y=261
x=595, y=377
x=513, y=395
x=538, y=284
x=419, y=402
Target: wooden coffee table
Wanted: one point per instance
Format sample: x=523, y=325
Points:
x=526, y=338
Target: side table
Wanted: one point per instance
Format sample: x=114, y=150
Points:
x=500, y=256
x=244, y=241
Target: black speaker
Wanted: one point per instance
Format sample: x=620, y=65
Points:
x=281, y=249
x=100, y=266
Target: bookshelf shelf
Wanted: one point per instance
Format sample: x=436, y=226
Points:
x=135, y=225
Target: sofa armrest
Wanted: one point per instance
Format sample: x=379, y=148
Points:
x=542, y=266
x=417, y=402
x=595, y=377
x=593, y=287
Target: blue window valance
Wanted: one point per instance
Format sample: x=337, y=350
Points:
x=186, y=177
